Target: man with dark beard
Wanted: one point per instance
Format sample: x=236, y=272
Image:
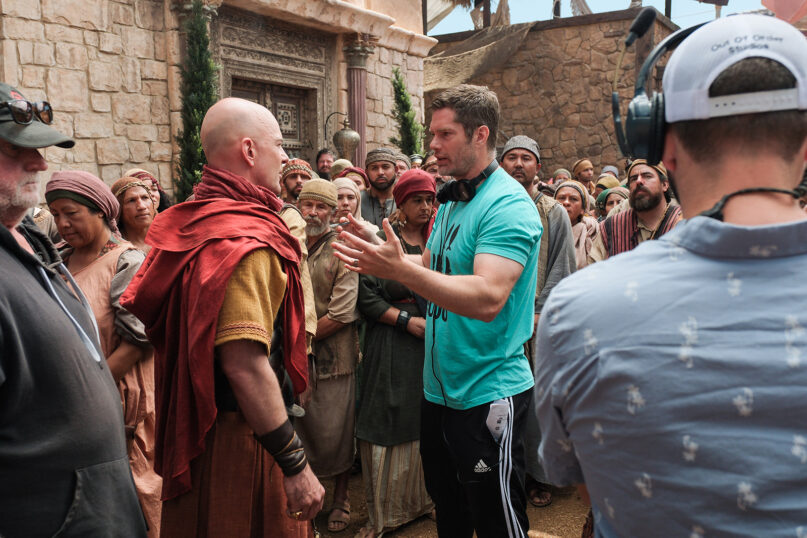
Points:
x=650, y=215
x=377, y=202
x=327, y=428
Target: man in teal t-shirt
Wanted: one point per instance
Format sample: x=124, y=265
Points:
x=478, y=272
x=468, y=361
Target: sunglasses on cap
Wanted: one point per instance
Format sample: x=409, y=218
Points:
x=23, y=111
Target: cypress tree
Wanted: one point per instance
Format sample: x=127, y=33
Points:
x=198, y=93
x=410, y=132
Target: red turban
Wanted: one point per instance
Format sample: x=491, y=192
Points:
x=413, y=182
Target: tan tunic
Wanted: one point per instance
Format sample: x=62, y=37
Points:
x=98, y=282
x=336, y=290
x=294, y=220
x=327, y=429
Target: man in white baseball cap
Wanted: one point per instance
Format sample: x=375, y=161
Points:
x=674, y=395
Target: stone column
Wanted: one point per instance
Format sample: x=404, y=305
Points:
x=356, y=53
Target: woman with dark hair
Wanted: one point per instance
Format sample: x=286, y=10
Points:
x=103, y=264
x=391, y=375
x=137, y=210
x=160, y=197
x=573, y=196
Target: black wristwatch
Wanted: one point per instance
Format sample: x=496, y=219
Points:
x=403, y=320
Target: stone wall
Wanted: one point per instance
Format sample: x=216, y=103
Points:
x=110, y=68
x=556, y=88
x=381, y=124
x=106, y=67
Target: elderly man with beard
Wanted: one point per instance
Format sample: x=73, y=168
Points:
x=328, y=425
x=556, y=260
x=377, y=202
x=650, y=215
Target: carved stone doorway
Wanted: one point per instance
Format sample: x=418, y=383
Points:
x=294, y=108
x=287, y=68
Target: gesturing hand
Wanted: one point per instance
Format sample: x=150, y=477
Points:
x=382, y=260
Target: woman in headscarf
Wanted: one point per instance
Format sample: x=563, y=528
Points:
x=609, y=199
x=349, y=201
x=103, y=264
x=573, y=196
x=137, y=210
x=161, y=199
x=559, y=176
x=356, y=175
x=391, y=376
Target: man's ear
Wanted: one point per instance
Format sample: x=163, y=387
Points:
x=248, y=151
x=539, y=167
x=482, y=134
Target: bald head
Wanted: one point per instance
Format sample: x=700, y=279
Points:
x=244, y=138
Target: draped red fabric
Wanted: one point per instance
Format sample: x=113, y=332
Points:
x=178, y=293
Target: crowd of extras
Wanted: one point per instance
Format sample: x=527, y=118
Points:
x=361, y=345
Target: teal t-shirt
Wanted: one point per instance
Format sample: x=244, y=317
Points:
x=470, y=362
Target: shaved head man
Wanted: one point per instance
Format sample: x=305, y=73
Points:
x=239, y=268
x=244, y=138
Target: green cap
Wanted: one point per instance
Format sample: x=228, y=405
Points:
x=34, y=135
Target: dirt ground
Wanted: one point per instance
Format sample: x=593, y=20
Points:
x=563, y=518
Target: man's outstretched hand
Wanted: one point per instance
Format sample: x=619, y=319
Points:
x=384, y=260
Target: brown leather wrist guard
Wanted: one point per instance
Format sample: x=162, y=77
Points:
x=287, y=449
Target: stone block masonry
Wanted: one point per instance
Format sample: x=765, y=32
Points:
x=104, y=66
x=556, y=87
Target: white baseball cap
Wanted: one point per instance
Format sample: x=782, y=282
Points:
x=714, y=47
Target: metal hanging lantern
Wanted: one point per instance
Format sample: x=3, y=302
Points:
x=346, y=141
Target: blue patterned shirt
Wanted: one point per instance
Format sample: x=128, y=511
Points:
x=672, y=381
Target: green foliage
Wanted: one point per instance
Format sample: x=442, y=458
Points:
x=199, y=92
x=410, y=132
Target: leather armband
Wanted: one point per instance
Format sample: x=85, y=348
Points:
x=285, y=446
x=403, y=320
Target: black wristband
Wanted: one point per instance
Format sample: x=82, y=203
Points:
x=287, y=449
x=403, y=320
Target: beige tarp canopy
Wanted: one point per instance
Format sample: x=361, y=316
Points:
x=465, y=60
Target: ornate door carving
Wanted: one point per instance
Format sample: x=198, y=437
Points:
x=287, y=68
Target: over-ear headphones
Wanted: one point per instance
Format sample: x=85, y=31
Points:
x=643, y=135
x=464, y=190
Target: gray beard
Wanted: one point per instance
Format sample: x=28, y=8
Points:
x=17, y=203
x=313, y=229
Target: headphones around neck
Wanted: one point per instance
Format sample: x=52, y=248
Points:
x=464, y=190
